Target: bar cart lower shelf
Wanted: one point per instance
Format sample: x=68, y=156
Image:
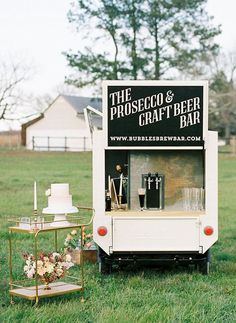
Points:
x=57, y=289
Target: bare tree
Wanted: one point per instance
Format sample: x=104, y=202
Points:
x=41, y=103
x=12, y=97
x=223, y=95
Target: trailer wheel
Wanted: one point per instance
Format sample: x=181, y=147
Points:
x=204, y=266
x=104, y=268
x=104, y=264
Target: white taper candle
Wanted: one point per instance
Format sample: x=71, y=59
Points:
x=109, y=183
x=35, y=196
x=121, y=182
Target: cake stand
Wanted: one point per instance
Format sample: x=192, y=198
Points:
x=60, y=215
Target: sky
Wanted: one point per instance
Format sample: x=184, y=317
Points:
x=224, y=14
x=37, y=32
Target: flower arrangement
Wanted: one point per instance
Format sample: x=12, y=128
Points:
x=50, y=267
x=73, y=241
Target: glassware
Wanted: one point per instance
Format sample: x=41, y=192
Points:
x=25, y=223
x=202, y=199
x=40, y=222
x=108, y=202
x=193, y=198
x=186, y=199
x=141, y=195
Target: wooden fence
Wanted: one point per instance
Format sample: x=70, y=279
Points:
x=61, y=143
x=11, y=139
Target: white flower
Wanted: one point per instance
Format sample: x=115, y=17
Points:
x=48, y=192
x=26, y=268
x=67, y=265
x=89, y=244
x=59, y=264
x=70, y=264
x=30, y=273
x=39, y=263
x=49, y=267
x=55, y=254
x=41, y=271
x=73, y=232
x=59, y=272
x=68, y=258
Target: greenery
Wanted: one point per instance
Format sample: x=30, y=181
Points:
x=136, y=295
x=222, y=97
x=139, y=39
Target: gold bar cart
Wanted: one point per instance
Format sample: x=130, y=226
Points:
x=35, y=292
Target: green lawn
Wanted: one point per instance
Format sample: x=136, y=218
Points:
x=147, y=295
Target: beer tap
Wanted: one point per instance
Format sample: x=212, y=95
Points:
x=158, y=180
x=154, y=184
x=149, y=180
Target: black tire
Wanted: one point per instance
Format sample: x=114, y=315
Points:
x=104, y=263
x=204, y=266
x=104, y=268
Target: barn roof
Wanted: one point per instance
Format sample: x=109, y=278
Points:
x=81, y=102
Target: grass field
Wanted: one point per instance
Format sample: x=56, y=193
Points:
x=144, y=295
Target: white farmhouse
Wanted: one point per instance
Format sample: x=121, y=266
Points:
x=62, y=126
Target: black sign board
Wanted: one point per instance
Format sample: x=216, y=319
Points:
x=153, y=114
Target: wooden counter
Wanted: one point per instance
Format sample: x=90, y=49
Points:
x=152, y=213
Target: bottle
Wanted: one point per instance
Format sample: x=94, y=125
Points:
x=108, y=202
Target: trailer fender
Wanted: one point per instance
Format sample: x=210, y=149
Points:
x=102, y=232
x=208, y=232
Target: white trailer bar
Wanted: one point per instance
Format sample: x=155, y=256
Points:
x=125, y=232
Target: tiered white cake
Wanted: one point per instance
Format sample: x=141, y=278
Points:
x=59, y=200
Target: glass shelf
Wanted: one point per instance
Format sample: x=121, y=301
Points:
x=59, y=288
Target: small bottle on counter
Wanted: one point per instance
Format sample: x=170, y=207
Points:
x=108, y=201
